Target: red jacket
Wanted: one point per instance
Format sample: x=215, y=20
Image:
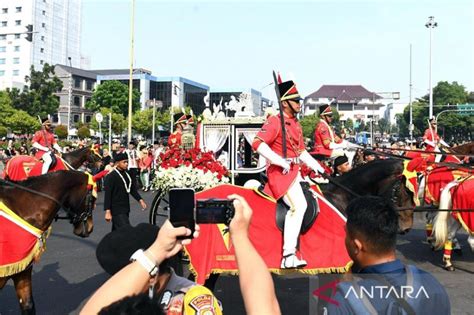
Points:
x=323, y=136
x=46, y=139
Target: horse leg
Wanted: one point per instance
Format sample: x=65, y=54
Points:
x=23, y=288
x=470, y=240
x=429, y=228
x=448, y=247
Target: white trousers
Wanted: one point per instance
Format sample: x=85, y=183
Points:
x=46, y=162
x=296, y=200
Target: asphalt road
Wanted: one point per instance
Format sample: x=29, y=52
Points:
x=69, y=273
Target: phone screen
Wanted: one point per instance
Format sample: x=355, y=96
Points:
x=182, y=206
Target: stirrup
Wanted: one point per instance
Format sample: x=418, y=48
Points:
x=291, y=261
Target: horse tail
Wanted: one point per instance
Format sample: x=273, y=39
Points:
x=440, y=227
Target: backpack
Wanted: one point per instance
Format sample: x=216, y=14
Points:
x=396, y=306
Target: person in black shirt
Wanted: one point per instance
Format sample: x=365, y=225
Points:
x=118, y=185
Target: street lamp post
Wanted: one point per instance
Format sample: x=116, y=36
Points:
x=431, y=24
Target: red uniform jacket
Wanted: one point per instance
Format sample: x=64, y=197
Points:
x=323, y=136
x=174, y=140
x=430, y=135
x=46, y=139
x=278, y=183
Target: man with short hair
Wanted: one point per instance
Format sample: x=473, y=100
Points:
x=371, y=236
x=118, y=186
x=44, y=142
x=133, y=157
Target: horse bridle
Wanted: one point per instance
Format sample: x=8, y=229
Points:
x=74, y=218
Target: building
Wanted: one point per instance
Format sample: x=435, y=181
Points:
x=56, y=38
x=392, y=110
x=228, y=97
x=78, y=86
x=351, y=101
x=171, y=91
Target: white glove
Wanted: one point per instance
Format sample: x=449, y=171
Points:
x=57, y=148
x=431, y=143
x=351, y=145
x=311, y=162
x=264, y=150
x=443, y=143
x=40, y=147
x=334, y=145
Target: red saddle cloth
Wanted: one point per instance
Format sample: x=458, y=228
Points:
x=437, y=179
x=322, y=246
x=462, y=199
x=23, y=166
x=20, y=242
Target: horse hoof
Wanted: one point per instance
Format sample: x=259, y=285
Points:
x=449, y=268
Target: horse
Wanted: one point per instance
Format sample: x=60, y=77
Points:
x=385, y=178
x=30, y=206
x=22, y=166
x=456, y=195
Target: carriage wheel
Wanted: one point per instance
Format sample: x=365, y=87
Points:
x=159, y=207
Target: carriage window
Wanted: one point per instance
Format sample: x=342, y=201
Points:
x=246, y=157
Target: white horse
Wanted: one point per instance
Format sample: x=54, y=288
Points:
x=446, y=226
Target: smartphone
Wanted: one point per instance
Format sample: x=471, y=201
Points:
x=182, y=208
x=214, y=211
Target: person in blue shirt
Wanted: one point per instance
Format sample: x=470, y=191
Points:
x=382, y=284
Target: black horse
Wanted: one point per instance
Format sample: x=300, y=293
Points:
x=382, y=178
x=37, y=200
x=77, y=157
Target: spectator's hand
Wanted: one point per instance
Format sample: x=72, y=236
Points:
x=241, y=220
x=167, y=243
x=108, y=216
x=142, y=204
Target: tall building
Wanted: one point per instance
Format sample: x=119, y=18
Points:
x=56, y=39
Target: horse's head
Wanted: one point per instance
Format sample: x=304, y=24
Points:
x=402, y=197
x=94, y=157
x=81, y=203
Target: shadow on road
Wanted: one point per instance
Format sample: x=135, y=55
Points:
x=57, y=295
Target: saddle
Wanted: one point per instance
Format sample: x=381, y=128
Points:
x=310, y=214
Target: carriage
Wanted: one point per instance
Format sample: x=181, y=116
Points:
x=230, y=140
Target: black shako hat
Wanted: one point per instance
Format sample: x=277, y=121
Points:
x=120, y=157
x=325, y=110
x=180, y=118
x=340, y=160
x=288, y=91
x=115, y=249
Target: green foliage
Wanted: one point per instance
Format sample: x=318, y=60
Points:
x=83, y=132
x=61, y=131
x=114, y=95
x=450, y=125
x=38, y=97
x=3, y=131
x=119, y=123
x=19, y=122
x=308, y=123
x=349, y=124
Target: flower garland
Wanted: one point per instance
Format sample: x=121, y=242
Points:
x=192, y=168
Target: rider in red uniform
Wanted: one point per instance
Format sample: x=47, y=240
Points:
x=44, y=142
x=284, y=174
x=432, y=139
x=326, y=142
x=174, y=140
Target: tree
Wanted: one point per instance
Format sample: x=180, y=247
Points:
x=349, y=124
x=448, y=93
x=308, y=123
x=38, y=97
x=61, y=131
x=384, y=126
x=83, y=132
x=22, y=123
x=114, y=95
x=118, y=122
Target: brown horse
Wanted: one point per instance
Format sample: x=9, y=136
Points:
x=466, y=148
x=23, y=166
x=36, y=201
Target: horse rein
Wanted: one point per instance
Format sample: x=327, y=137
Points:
x=74, y=218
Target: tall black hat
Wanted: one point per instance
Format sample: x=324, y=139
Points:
x=288, y=91
x=325, y=110
x=179, y=118
x=46, y=120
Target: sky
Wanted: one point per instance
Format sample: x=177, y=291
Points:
x=230, y=44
